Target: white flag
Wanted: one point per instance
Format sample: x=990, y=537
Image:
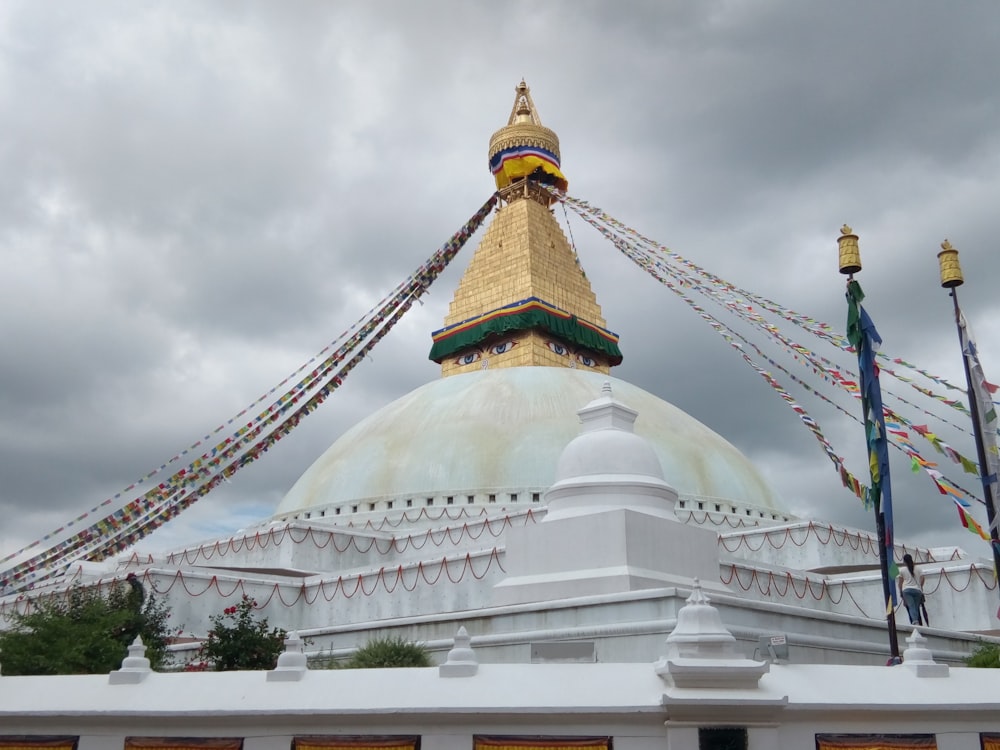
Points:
x=983, y=393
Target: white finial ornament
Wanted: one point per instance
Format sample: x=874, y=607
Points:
x=292, y=664
x=701, y=652
x=462, y=661
x=919, y=658
x=135, y=666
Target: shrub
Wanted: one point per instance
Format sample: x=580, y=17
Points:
x=986, y=655
x=389, y=652
x=86, y=632
x=239, y=640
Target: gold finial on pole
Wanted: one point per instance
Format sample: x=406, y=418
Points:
x=951, y=271
x=850, y=256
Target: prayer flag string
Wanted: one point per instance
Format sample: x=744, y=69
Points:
x=688, y=276
x=127, y=525
x=817, y=328
x=847, y=478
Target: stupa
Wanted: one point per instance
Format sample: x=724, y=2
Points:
x=554, y=511
x=524, y=345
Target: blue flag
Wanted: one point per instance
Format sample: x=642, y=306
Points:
x=862, y=334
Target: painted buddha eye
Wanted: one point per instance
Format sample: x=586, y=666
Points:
x=586, y=360
x=468, y=358
x=503, y=347
x=557, y=348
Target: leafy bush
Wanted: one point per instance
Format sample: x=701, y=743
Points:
x=389, y=652
x=85, y=632
x=239, y=640
x=986, y=655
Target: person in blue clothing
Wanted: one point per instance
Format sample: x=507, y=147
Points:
x=911, y=589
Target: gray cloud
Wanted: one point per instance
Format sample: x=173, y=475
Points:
x=195, y=199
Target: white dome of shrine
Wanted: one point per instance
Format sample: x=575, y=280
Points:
x=496, y=436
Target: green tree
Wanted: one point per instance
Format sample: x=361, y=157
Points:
x=986, y=655
x=389, y=652
x=85, y=631
x=240, y=640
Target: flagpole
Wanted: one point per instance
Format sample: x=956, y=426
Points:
x=850, y=263
x=951, y=279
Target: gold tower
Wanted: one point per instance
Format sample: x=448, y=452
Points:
x=524, y=299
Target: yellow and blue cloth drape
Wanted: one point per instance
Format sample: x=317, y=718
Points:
x=517, y=162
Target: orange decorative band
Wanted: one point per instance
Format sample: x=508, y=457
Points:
x=482, y=742
x=350, y=742
x=183, y=743
x=875, y=742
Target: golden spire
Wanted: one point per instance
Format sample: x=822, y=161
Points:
x=525, y=148
x=524, y=299
x=524, y=110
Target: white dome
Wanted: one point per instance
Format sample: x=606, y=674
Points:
x=608, y=452
x=607, y=444
x=499, y=434
x=608, y=467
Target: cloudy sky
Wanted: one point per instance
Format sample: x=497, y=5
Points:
x=196, y=198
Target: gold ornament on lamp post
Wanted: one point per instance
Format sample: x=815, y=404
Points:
x=850, y=256
x=951, y=271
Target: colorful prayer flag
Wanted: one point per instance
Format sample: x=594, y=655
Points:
x=970, y=523
x=864, y=338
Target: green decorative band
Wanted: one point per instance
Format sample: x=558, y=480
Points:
x=522, y=316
